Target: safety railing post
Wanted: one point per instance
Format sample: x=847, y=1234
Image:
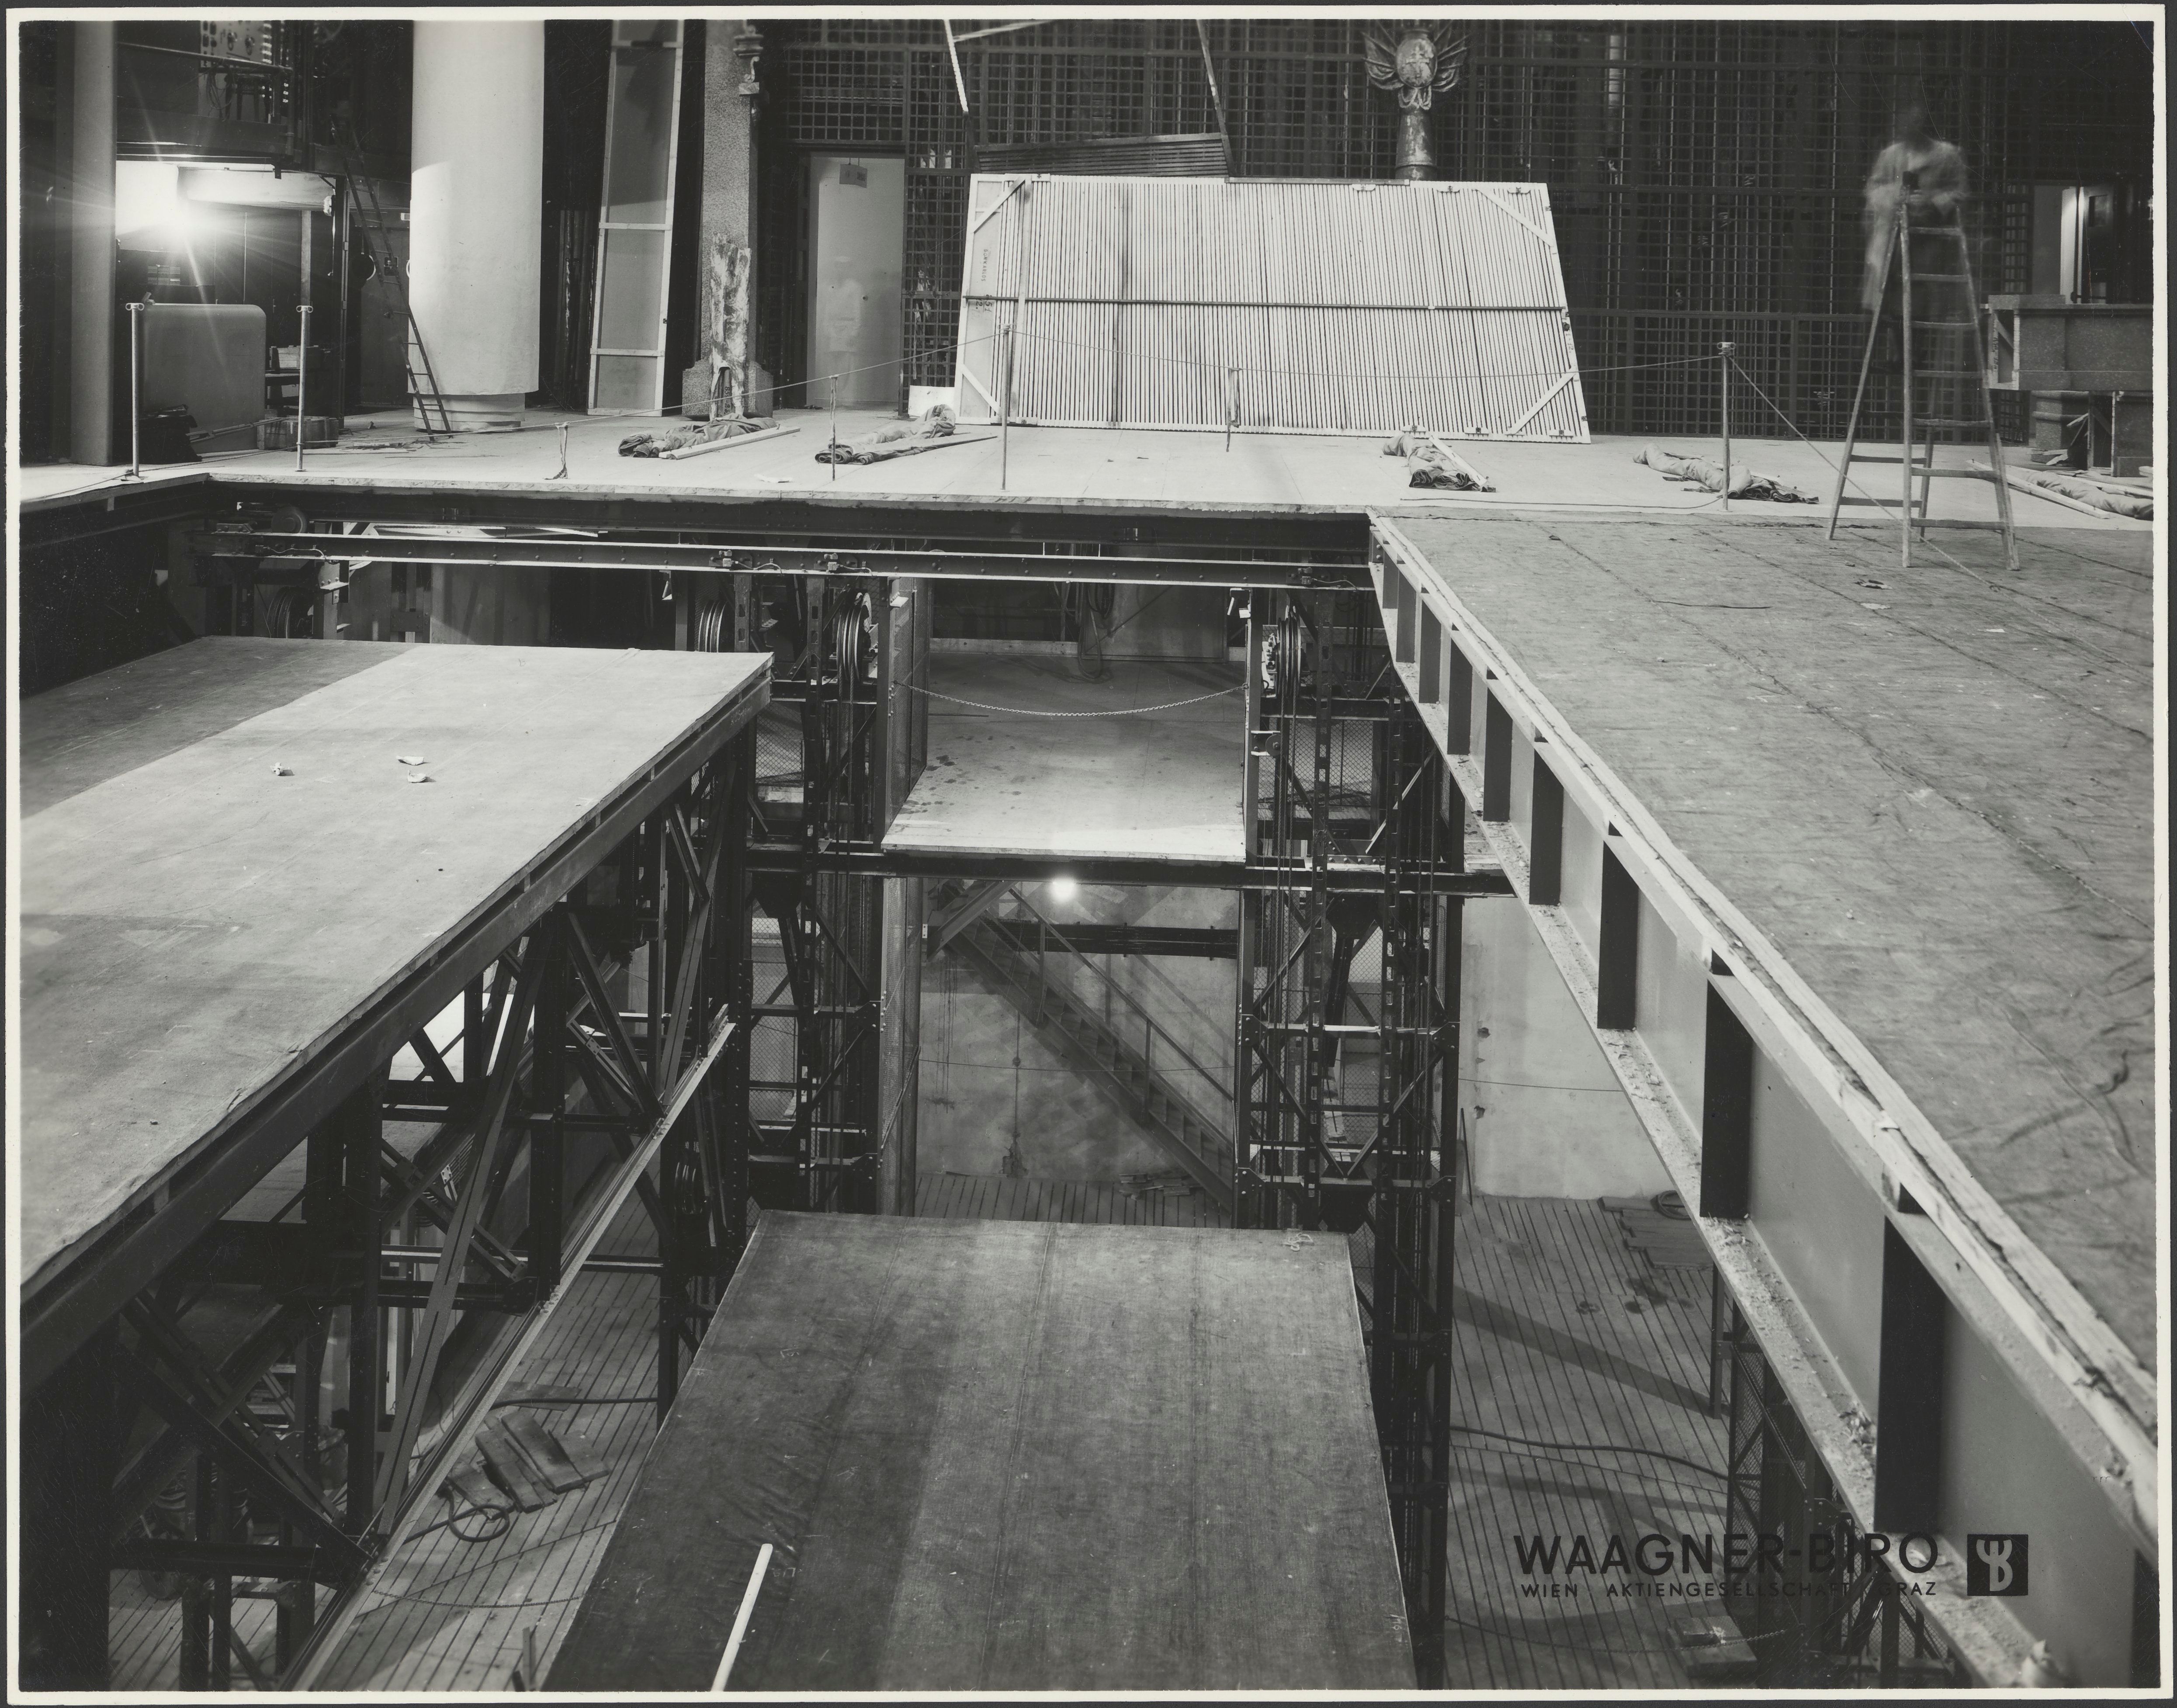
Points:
x=1723, y=376
x=301, y=394
x=135, y=390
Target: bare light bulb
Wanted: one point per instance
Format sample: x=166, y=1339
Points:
x=1064, y=889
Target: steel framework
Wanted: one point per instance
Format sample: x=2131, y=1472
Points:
x=1819, y=1615
x=750, y=906
x=1343, y=1122
x=820, y=1047
x=599, y=1045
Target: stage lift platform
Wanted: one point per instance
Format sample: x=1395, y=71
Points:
x=252, y=870
x=1011, y=1456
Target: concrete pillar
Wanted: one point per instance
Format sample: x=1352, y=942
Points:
x=723, y=369
x=91, y=343
x=477, y=211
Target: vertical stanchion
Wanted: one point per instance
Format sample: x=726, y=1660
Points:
x=1723, y=377
x=1231, y=402
x=302, y=396
x=1908, y=182
x=1005, y=409
x=835, y=427
x=135, y=389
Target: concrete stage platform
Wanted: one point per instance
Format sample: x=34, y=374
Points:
x=1262, y=473
x=1063, y=768
x=1932, y=791
x=1016, y=1457
x=227, y=871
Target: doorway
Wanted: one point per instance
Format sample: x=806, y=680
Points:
x=858, y=207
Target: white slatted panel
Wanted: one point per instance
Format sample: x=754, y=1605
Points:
x=1347, y=308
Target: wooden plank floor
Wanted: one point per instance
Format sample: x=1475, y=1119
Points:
x=989, y=1198
x=450, y=1614
x=1569, y=1341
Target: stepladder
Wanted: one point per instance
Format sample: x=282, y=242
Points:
x=1928, y=329
x=366, y=215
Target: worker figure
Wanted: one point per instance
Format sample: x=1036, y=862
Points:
x=1931, y=173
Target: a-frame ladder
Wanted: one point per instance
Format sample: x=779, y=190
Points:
x=367, y=215
x=1951, y=388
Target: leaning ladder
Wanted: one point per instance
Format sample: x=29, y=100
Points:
x=1958, y=385
x=422, y=380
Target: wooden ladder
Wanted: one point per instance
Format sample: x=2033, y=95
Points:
x=416, y=360
x=1963, y=384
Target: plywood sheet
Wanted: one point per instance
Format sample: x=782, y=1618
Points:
x=1012, y=1456
x=1933, y=790
x=194, y=924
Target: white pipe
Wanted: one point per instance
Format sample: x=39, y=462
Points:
x=135, y=390
x=741, y=1620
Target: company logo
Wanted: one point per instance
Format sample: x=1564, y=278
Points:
x=1995, y=1565
x=1736, y=1563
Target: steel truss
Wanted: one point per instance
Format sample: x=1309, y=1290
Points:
x=826, y=1153
x=597, y=1056
x=1344, y=1123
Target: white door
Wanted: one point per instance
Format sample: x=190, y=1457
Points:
x=857, y=208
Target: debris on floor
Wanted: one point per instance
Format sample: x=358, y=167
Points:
x=1430, y=463
x=526, y=1461
x=688, y=437
x=1659, y=1229
x=1714, y=1651
x=2083, y=492
x=1745, y=483
x=933, y=425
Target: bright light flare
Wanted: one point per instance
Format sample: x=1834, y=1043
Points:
x=1064, y=889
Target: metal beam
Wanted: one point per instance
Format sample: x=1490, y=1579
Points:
x=939, y=519
x=1206, y=943
x=1110, y=868
x=603, y=552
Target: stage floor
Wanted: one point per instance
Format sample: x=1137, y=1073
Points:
x=1012, y=1456
x=1261, y=472
x=225, y=863
x=1043, y=763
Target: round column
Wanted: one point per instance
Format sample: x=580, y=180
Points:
x=476, y=214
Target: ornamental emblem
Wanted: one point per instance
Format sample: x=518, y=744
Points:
x=1417, y=63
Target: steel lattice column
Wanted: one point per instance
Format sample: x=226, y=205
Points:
x=1339, y=764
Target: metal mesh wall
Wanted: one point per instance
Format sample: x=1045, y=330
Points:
x=1704, y=175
